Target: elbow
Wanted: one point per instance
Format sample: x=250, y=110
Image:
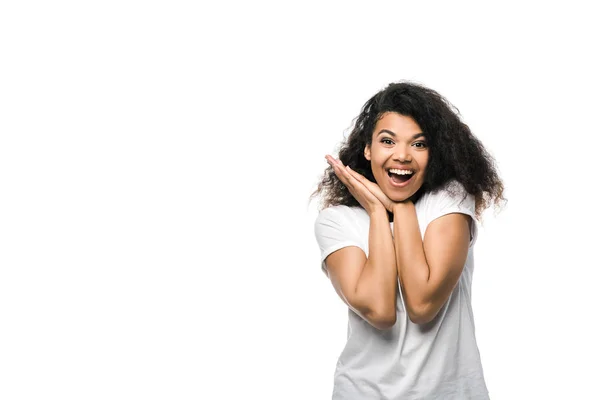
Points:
x=379, y=313
x=422, y=314
x=419, y=319
x=382, y=319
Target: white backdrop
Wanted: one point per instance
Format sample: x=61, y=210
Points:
x=156, y=160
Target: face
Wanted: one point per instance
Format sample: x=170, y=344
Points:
x=398, y=144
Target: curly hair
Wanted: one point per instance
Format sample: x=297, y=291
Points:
x=454, y=152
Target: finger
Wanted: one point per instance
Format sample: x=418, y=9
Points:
x=342, y=175
x=355, y=174
x=348, y=177
x=337, y=161
x=334, y=162
x=371, y=186
x=330, y=159
x=355, y=182
x=357, y=188
x=361, y=178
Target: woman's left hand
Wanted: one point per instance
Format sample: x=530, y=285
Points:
x=373, y=188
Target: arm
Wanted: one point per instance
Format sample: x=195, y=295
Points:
x=368, y=285
x=429, y=269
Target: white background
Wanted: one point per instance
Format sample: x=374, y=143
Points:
x=156, y=160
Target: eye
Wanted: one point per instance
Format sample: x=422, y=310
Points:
x=423, y=144
x=386, y=140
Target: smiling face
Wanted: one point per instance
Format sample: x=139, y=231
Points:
x=398, y=144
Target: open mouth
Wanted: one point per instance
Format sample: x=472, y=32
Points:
x=400, y=179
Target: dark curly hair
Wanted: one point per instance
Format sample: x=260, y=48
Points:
x=454, y=152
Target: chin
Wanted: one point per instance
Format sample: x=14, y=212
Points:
x=403, y=198
x=398, y=197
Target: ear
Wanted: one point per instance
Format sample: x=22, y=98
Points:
x=368, y=152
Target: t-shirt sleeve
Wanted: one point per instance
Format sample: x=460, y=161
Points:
x=334, y=230
x=452, y=200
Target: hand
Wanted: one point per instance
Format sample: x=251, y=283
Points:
x=367, y=199
x=374, y=189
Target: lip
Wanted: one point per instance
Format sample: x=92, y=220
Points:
x=400, y=185
x=401, y=168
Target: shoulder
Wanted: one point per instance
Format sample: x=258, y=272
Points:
x=450, y=198
x=339, y=226
x=339, y=213
x=452, y=194
x=341, y=221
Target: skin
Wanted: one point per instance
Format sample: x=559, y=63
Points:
x=428, y=269
x=397, y=141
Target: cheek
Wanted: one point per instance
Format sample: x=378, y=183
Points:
x=425, y=161
x=376, y=163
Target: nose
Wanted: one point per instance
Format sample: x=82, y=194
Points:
x=402, y=154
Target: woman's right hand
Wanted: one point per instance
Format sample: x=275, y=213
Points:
x=360, y=192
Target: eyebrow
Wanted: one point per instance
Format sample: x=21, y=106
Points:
x=394, y=135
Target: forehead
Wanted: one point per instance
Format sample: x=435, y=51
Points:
x=397, y=123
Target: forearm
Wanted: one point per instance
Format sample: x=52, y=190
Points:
x=378, y=282
x=411, y=263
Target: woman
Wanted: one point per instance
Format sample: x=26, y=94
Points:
x=396, y=239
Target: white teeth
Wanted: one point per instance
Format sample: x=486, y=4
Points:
x=401, y=172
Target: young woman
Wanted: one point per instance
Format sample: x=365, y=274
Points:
x=396, y=237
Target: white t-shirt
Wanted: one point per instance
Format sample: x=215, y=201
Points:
x=437, y=360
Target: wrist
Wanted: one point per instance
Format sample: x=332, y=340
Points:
x=400, y=206
x=378, y=210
